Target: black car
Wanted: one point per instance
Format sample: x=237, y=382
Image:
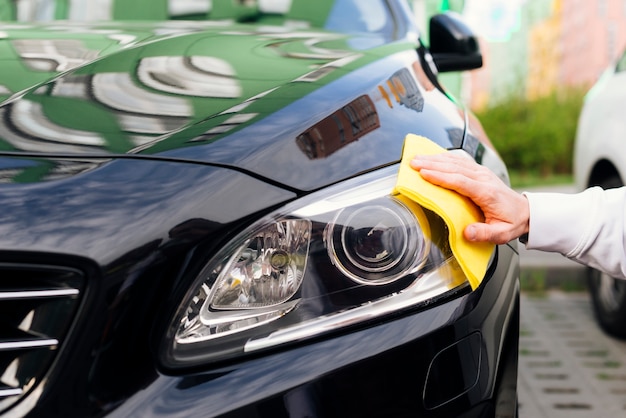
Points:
x=197, y=217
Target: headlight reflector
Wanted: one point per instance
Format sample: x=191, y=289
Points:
x=266, y=270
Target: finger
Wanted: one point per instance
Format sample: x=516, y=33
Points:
x=450, y=163
x=443, y=160
x=446, y=156
x=493, y=233
x=452, y=180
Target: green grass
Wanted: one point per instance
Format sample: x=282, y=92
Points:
x=533, y=282
x=537, y=282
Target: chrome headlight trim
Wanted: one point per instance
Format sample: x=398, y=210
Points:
x=430, y=286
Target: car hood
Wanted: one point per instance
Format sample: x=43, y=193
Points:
x=249, y=97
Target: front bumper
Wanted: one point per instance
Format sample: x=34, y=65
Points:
x=456, y=358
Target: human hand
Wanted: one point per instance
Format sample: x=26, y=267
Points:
x=506, y=211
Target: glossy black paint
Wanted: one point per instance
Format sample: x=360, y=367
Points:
x=282, y=107
x=453, y=46
x=141, y=221
x=122, y=205
x=269, y=147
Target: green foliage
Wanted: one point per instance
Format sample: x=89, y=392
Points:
x=533, y=281
x=526, y=179
x=535, y=137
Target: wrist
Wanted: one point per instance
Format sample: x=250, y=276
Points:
x=525, y=219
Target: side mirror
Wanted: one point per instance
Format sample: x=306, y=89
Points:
x=453, y=45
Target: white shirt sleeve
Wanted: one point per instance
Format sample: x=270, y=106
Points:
x=587, y=227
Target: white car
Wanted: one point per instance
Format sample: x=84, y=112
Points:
x=600, y=160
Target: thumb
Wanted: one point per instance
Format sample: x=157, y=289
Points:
x=482, y=232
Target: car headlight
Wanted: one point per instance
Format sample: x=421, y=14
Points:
x=340, y=257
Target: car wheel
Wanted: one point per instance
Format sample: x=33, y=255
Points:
x=608, y=294
x=609, y=302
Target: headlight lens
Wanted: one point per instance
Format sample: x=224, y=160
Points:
x=335, y=258
x=379, y=241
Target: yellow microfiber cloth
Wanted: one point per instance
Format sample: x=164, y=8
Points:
x=457, y=211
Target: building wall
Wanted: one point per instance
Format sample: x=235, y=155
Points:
x=545, y=51
x=594, y=35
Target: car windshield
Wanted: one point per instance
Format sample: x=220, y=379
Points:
x=351, y=16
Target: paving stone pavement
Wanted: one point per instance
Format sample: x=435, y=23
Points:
x=567, y=366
